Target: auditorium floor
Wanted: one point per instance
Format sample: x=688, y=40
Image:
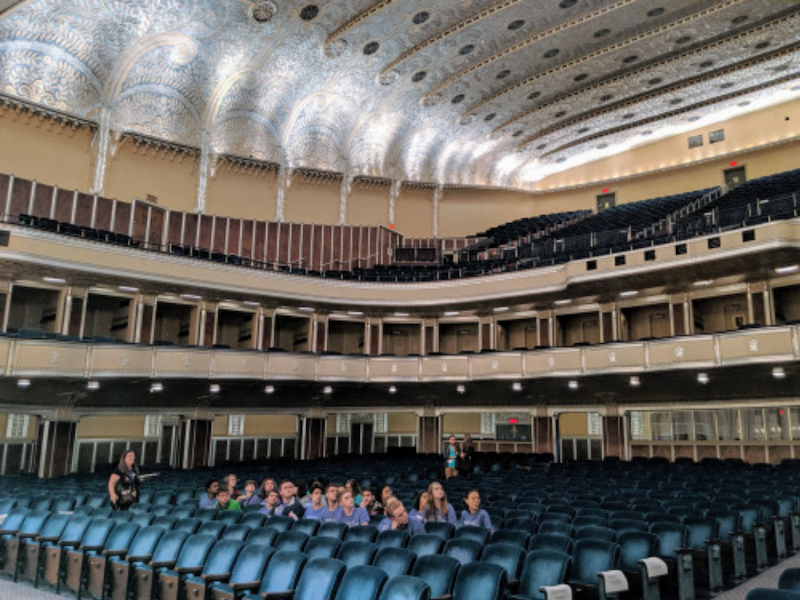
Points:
x=769, y=578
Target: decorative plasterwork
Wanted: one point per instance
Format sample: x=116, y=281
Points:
x=455, y=93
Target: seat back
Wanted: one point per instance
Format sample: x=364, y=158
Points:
x=790, y=579
x=543, y=568
x=307, y=526
x=508, y=556
x=634, y=546
x=443, y=530
x=589, y=558
x=214, y=528
x=97, y=533
x=771, y=594
x=33, y=523
x=253, y=520
x=464, y=551
x=392, y=538
x=327, y=547
x=361, y=583
x=169, y=546
x=282, y=572
x=235, y=532
x=547, y=541
x=165, y=522
x=438, y=571
x=120, y=538
x=320, y=579
x=604, y=534
x=250, y=563
x=395, y=561
x=337, y=530
x=700, y=530
x=55, y=526
x=564, y=529
x=263, y=536
x=142, y=519
x=228, y=516
x=361, y=533
x=516, y=537
x=425, y=544
x=145, y=542
x=478, y=534
x=405, y=587
x=279, y=523
x=290, y=540
x=353, y=554
x=195, y=550
x=182, y=512
x=14, y=521
x=75, y=529
x=221, y=557
x=671, y=537
x=480, y=581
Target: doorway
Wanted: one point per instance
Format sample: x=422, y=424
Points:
x=362, y=438
x=735, y=177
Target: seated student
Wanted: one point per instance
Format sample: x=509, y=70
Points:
x=418, y=512
x=474, y=515
x=249, y=497
x=384, y=493
x=225, y=502
x=230, y=481
x=290, y=506
x=397, y=518
x=269, y=505
x=316, y=507
x=212, y=485
x=438, y=508
x=370, y=503
x=331, y=515
x=354, y=487
x=351, y=514
x=267, y=485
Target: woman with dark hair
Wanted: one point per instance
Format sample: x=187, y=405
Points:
x=465, y=465
x=354, y=487
x=123, y=485
x=438, y=509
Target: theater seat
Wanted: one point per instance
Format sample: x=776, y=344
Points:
x=321, y=578
x=361, y=583
x=542, y=568
x=395, y=561
x=281, y=575
x=480, y=581
x=439, y=572
x=246, y=574
x=405, y=587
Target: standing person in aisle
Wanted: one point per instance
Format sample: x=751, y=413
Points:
x=451, y=455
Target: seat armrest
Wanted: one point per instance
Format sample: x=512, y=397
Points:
x=445, y=597
x=163, y=564
x=614, y=581
x=26, y=536
x=189, y=570
x=115, y=552
x=212, y=577
x=47, y=538
x=287, y=595
x=68, y=543
x=245, y=585
x=557, y=592
x=97, y=548
x=8, y=531
x=144, y=558
x=654, y=567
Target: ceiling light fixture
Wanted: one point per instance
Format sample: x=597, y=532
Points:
x=54, y=280
x=628, y=293
x=401, y=314
x=156, y=387
x=461, y=389
x=306, y=309
x=190, y=296
x=703, y=282
x=702, y=378
x=24, y=383
x=251, y=303
x=392, y=389
x=270, y=389
x=778, y=373
x=214, y=388
x=128, y=288
x=328, y=390
x=787, y=269
x=562, y=302
x=451, y=313
x=92, y=385
x=516, y=386
x=573, y=385
x=355, y=313
x=635, y=382
x=500, y=309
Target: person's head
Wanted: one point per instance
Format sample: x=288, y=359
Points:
x=315, y=493
x=223, y=496
x=421, y=501
x=437, y=499
x=468, y=440
x=332, y=493
x=452, y=440
x=287, y=490
x=396, y=511
x=272, y=498
x=367, y=496
x=386, y=493
x=250, y=487
x=127, y=461
x=353, y=486
x=473, y=501
x=231, y=481
x=346, y=499
x=267, y=485
x=212, y=485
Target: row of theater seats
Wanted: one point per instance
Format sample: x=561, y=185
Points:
x=524, y=229
x=788, y=587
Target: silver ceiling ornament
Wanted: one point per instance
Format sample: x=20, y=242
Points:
x=263, y=10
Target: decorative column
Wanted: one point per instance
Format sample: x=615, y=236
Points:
x=429, y=431
x=613, y=432
x=394, y=192
x=202, y=184
x=196, y=438
x=55, y=443
x=284, y=183
x=313, y=432
x=346, y=187
x=103, y=138
x=437, y=196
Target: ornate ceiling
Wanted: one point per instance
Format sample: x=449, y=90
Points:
x=467, y=92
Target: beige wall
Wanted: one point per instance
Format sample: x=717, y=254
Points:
x=118, y=427
x=461, y=424
x=134, y=173
x=573, y=424
x=405, y=423
x=33, y=424
x=38, y=149
x=269, y=425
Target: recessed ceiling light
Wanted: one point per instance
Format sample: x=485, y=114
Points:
x=702, y=378
x=306, y=309
x=328, y=390
x=24, y=383
x=500, y=308
x=270, y=389
x=251, y=303
x=214, y=388
x=786, y=269
x=703, y=282
x=128, y=288
x=92, y=385
x=634, y=381
x=401, y=314
x=564, y=301
x=392, y=389
x=54, y=280
x=451, y=313
x=355, y=313
x=190, y=296
x=461, y=389
x=516, y=386
x=156, y=387
x=573, y=385
x=628, y=293
x=778, y=373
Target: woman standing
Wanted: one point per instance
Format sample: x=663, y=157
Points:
x=465, y=465
x=123, y=485
x=451, y=455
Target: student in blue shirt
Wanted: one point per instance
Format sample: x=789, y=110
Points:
x=272, y=502
x=351, y=514
x=438, y=508
x=397, y=518
x=211, y=489
x=418, y=512
x=474, y=515
x=316, y=508
x=333, y=510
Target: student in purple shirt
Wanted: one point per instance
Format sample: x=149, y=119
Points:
x=250, y=497
x=351, y=514
x=212, y=485
x=272, y=502
x=315, y=509
x=475, y=516
x=290, y=506
x=332, y=512
x=438, y=508
x=397, y=518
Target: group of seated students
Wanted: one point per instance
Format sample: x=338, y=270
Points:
x=347, y=504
